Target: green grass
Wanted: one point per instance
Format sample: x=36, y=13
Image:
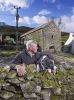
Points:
x=8, y=52
x=64, y=38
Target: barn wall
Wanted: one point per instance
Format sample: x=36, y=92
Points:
x=47, y=37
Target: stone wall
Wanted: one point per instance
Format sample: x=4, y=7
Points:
x=36, y=36
x=37, y=86
x=46, y=37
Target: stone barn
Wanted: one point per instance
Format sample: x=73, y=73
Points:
x=48, y=36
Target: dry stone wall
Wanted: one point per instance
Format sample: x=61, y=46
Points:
x=36, y=86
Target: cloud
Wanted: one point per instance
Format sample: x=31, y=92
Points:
x=7, y=5
x=73, y=10
x=52, y=1
x=44, y=12
x=39, y=19
x=67, y=23
x=25, y=20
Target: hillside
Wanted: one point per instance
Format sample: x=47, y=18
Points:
x=5, y=29
x=64, y=37
x=2, y=24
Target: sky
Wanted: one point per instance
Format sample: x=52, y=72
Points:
x=34, y=13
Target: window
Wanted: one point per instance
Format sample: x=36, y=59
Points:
x=52, y=36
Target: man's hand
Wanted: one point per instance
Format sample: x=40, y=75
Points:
x=20, y=70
